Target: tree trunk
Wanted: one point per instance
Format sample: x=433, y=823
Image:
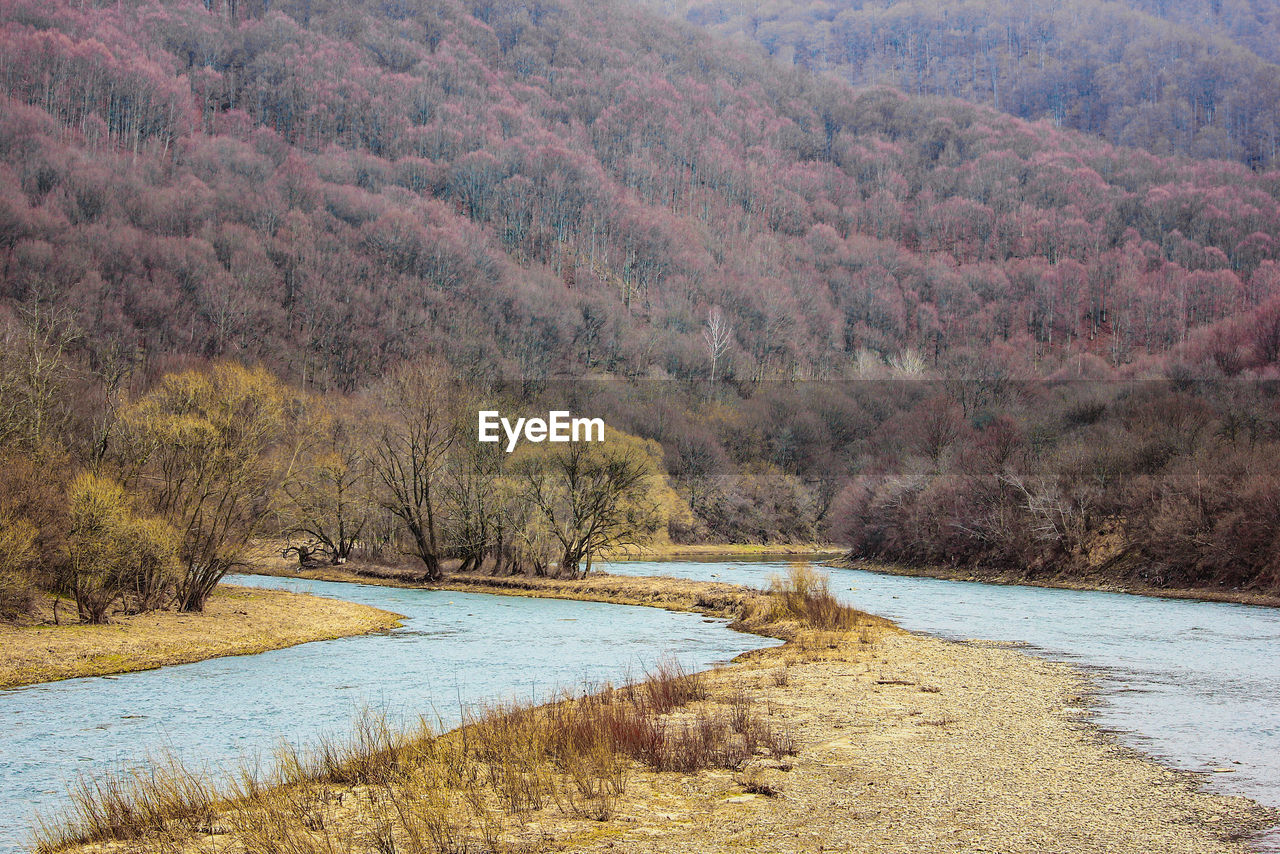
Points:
x=432, y=563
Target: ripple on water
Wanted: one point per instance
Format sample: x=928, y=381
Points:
x=454, y=649
x=1193, y=683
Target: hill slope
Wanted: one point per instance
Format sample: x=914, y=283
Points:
x=561, y=188
x=1254, y=24
x=1167, y=77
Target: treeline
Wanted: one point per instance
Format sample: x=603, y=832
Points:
x=1205, y=87
x=128, y=494
x=331, y=188
x=1171, y=483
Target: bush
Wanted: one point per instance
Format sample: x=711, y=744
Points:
x=17, y=555
x=804, y=596
x=113, y=550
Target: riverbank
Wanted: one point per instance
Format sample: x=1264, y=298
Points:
x=869, y=740
x=269, y=563
x=1096, y=581
x=920, y=745
x=236, y=621
x=713, y=599
x=732, y=551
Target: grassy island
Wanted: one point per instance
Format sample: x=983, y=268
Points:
x=235, y=621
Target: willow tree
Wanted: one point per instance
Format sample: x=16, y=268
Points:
x=590, y=498
x=113, y=549
x=18, y=555
x=210, y=448
x=421, y=424
x=326, y=498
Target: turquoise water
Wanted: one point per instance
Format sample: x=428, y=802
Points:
x=1192, y=683
x=454, y=650
x=1195, y=684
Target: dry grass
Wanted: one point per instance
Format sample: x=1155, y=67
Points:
x=497, y=782
x=712, y=598
x=164, y=795
x=236, y=621
x=801, y=607
x=470, y=790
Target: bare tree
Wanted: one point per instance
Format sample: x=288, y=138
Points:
x=326, y=501
x=591, y=498
x=34, y=373
x=478, y=512
x=716, y=335
x=1055, y=517
x=411, y=455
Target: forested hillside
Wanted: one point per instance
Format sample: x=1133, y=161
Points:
x=1187, y=78
x=564, y=190
x=560, y=188
x=1254, y=24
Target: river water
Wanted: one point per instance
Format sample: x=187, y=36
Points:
x=1195, y=684
x=454, y=650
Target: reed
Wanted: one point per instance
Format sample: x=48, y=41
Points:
x=162, y=796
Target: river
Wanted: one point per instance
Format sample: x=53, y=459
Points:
x=1194, y=684
x=454, y=650
x=1191, y=683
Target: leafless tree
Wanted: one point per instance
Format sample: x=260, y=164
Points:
x=326, y=501
x=34, y=373
x=591, y=499
x=411, y=454
x=716, y=335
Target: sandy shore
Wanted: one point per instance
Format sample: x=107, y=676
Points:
x=919, y=746
x=236, y=621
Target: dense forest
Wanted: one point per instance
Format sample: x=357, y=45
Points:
x=1190, y=78
x=1252, y=23
x=332, y=188
x=916, y=325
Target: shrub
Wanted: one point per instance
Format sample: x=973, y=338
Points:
x=805, y=595
x=17, y=553
x=112, y=549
